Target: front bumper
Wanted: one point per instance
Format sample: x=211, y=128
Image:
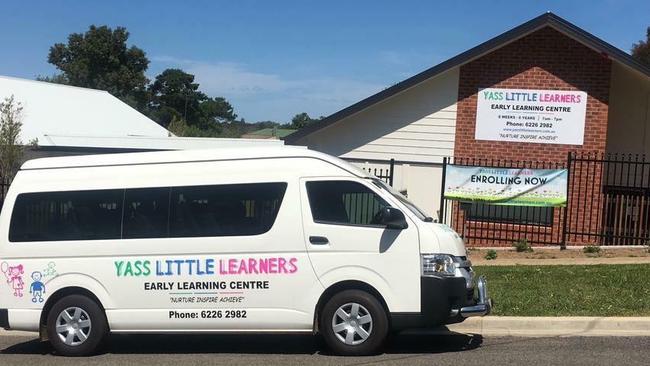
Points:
x=446, y=300
x=4, y=318
x=483, y=304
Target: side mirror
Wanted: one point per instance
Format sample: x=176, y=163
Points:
x=393, y=218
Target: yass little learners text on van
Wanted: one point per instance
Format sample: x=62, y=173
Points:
x=207, y=266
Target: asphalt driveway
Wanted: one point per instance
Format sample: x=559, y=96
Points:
x=301, y=350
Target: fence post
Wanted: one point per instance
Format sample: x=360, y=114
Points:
x=569, y=160
x=391, y=172
x=441, y=211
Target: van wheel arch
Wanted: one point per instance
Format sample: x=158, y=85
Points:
x=59, y=294
x=342, y=286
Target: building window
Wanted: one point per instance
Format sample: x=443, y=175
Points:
x=71, y=215
x=524, y=215
x=344, y=202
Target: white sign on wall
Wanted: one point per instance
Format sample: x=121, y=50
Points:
x=528, y=115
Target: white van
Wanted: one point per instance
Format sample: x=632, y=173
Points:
x=278, y=239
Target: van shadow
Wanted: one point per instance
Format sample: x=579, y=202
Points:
x=256, y=344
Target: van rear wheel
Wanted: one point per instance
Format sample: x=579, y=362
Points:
x=354, y=323
x=76, y=326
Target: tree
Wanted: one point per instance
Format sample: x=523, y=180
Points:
x=101, y=59
x=175, y=94
x=57, y=79
x=269, y=124
x=641, y=50
x=217, y=110
x=11, y=151
x=301, y=120
x=177, y=127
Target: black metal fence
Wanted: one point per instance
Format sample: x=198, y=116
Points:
x=385, y=174
x=608, y=204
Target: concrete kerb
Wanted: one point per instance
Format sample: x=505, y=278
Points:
x=17, y=333
x=554, y=326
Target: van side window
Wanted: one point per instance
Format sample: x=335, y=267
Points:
x=146, y=213
x=224, y=210
x=344, y=202
x=192, y=211
x=71, y=215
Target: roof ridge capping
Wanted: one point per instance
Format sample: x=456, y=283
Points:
x=546, y=19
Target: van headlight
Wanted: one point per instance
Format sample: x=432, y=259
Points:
x=438, y=265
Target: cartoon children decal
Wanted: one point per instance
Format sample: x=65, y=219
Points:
x=14, y=277
x=37, y=289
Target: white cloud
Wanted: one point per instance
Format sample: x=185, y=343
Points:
x=261, y=96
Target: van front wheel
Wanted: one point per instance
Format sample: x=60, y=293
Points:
x=76, y=326
x=354, y=323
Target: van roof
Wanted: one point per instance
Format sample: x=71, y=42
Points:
x=181, y=156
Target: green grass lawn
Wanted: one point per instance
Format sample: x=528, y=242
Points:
x=593, y=290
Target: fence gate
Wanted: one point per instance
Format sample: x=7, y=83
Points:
x=609, y=199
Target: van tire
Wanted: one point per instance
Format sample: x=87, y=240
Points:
x=91, y=311
x=368, y=305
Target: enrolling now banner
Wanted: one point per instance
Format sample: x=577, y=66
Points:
x=506, y=186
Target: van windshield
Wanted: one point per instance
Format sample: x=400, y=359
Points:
x=400, y=197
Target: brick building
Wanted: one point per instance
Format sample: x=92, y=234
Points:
x=433, y=115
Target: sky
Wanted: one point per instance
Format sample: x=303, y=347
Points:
x=274, y=59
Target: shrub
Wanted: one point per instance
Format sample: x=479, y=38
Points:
x=491, y=254
x=11, y=151
x=591, y=249
x=522, y=246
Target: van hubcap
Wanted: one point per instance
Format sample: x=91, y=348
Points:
x=352, y=324
x=73, y=326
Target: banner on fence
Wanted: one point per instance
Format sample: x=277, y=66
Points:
x=506, y=186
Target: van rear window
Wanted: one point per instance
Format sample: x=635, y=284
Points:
x=190, y=211
x=73, y=215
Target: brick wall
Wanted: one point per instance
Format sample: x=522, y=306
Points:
x=545, y=59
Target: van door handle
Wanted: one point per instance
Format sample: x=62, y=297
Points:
x=318, y=240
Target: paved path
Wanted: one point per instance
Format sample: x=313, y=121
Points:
x=546, y=326
x=306, y=350
x=559, y=261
